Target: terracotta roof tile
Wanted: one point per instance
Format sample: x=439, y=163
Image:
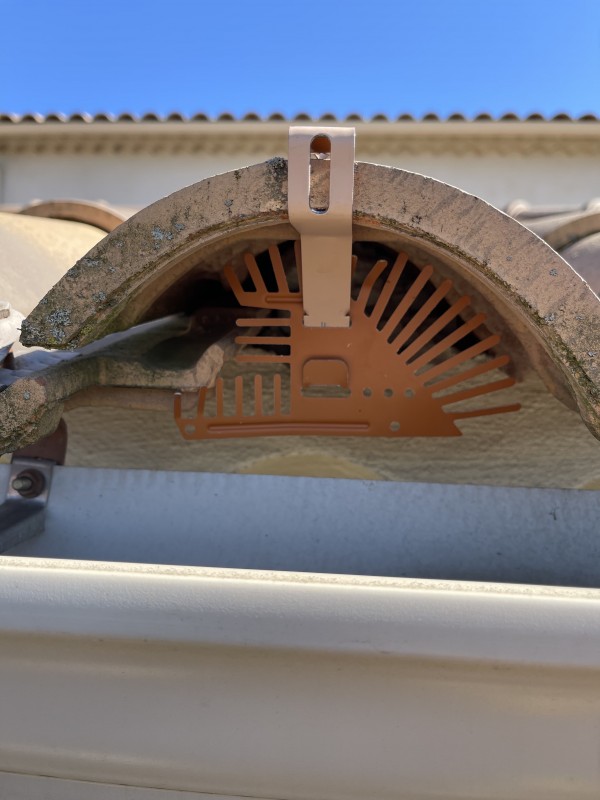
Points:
x=9, y=118
x=574, y=232
x=75, y=304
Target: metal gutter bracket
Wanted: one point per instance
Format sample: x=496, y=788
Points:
x=22, y=514
x=325, y=233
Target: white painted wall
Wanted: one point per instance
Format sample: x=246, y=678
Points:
x=137, y=180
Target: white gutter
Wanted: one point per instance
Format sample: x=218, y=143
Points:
x=348, y=615
x=142, y=681
x=295, y=686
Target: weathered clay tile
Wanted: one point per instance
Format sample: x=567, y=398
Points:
x=543, y=302
x=548, y=317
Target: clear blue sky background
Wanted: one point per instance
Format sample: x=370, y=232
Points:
x=367, y=57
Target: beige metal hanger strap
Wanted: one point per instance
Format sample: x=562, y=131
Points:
x=325, y=234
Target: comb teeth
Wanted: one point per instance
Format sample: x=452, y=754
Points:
x=405, y=377
x=207, y=424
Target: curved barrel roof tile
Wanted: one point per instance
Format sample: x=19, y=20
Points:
x=36, y=253
x=543, y=301
x=100, y=215
x=572, y=232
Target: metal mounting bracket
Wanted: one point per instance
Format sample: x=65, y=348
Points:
x=23, y=511
x=325, y=233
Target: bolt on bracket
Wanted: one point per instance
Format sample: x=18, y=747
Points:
x=22, y=513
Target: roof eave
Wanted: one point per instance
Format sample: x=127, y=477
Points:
x=270, y=137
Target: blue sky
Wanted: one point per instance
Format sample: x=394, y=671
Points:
x=369, y=57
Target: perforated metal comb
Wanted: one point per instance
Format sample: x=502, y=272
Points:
x=383, y=364
x=386, y=380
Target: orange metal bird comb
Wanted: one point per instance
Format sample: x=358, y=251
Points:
x=378, y=365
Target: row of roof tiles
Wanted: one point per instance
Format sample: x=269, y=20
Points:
x=252, y=117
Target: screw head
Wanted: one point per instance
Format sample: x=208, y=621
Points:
x=29, y=483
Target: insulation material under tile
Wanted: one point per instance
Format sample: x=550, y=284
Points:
x=544, y=444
